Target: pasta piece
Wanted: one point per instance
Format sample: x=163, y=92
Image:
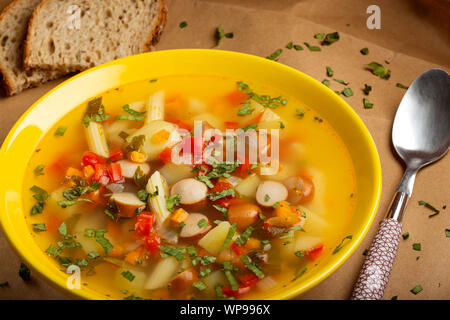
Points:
x=155, y=107
x=97, y=140
x=158, y=189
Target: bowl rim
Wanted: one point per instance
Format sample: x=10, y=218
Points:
x=285, y=294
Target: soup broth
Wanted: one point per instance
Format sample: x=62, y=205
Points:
x=104, y=193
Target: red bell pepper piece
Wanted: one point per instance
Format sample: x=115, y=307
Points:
x=229, y=292
x=238, y=249
x=90, y=158
x=153, y=242
x=226, y=203
x=116, y=154
x=166, y=155
x=144, y=224
x=101, y=174
x=231, y=125
x=115, y=172
x=248, y=279
x=237, y=97
x=314, y=253
x=245, y=168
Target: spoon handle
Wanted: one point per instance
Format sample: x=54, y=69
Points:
x=379, y=260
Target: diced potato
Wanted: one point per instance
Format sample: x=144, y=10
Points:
x=113, y=130
x=151, y=149
x=215, y=121
x=63, y=214
x=163, y=272
x=155, y=107
x=138, y=282
x=196, y=106
x=97, y=140
x=212, y=280
x=247, y=188
x=269, y=116
x=139, y=106
x=176, y=172
x=285, y=171
x=214, y=239
x=314, y=223
x=90, y=220
x=158, y=203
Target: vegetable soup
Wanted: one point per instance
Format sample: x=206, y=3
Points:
x=144, y=189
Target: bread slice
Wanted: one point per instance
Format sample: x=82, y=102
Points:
x=13, y=29
x=108, y=30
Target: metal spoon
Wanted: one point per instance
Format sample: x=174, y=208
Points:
x=420, y=136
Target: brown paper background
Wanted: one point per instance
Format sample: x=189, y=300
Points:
x=414, y=36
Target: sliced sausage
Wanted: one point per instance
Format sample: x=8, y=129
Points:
x=190, y=191
x=300, y=189
x=191, y=227
x=127, y=204
x=270, y=192
x=184, y=280
x=243, y=215
x=129, y=168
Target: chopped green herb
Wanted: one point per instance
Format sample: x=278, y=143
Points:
x=405, y=235
x=367, y=103
x=178, y=253
x=251, y=266
x=199, y=285
x=290, y=45
x=298, y=47
x=220, y=208
x=379, y=70
x=4, y=284
x=300, y=113
x=282, y=126
x=60, y=131
x=312, y=48
x=399, y=85
x=417, y=289
x=95, y=112
x=93, y=255
x=41, y=196
x=232, y=280
x=367, y=89
x=447, y=233
x=245, y=109
x=417, y=246
x=128, y=275
x=39, y=227
x=143, y=195
x=132, y=115
x=203, y=223
x=299, y=254
x=300, y=274
x=394, y=298
x=319, y=36
x=136, y=143
x=347, y=92
x=99, y=236
x=242, y=239
x=341, y=244
x=172, y=202
x=429, y=206
x=330, y=38
x=275, y=55
x=134, y=296
x=183, y=24
x=229, y=236
x=341, y=82
x=213, y=196
x=220, y=34
x=326, y=82
x=251, y=127
x=38, y=170
x=330, y=71
x=24, y=272
x=364, y=51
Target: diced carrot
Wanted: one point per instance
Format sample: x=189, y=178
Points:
x=285, y=216
x=179, y=123
x=166, y=155
x=231, y=125
x=180, y=215
x=73, y=172
x=237, y=97
x=88, y=171
x=116, y=154
x=118, y=251
x=238, y=249
x=136, y=157
x=160, y=137
x=115, y=172
x=136, y=255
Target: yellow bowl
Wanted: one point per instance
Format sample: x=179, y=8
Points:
x=34, y=124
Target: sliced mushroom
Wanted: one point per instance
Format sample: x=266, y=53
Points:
x=127, y=204
x=243, y=215
x=191, y=227
x=129, y=168
x=270, y=192
x=190, y=191
x=300, y=189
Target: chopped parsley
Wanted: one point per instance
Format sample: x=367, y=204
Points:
x=416, y=289
x=341, y=244
x=199, y=285
x=251, y=266
x=347, y=92
x=172, y=202
x=38, y=170
x=300, y=114
x=312, y=48
x=417, y=246
x=290, y=45
x=299, y=274
x=364, y=51
x=60, y=131
x=326, y=82
x=330, y=38
x=24, y=272
x=367, y=89
x=298, y=47
x=203, y=223
x=132, y=115
x=143, y=195
x=95, y=112
x=99, y=236
x=405, y=235
x=177, y=253
x=242, y=239
x=220, y=34
x=319, y=36
x=41, y=196
x=429, y=206
x=379, y=70
x=229, y=236
x=245, y=109
x=330, y=72
x=213, y=196
x=275, y=54
x=399, y=85
x=128, y=275
x=447, y=233
x=367, y=103
x=183, y=24
x=39, y=227
x=341, y=81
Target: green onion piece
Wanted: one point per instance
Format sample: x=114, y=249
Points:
x=275, y=54
x=417, y=289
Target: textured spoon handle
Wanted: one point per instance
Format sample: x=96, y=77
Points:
x=378, y=264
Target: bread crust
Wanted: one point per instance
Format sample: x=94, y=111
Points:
x=152, y=39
